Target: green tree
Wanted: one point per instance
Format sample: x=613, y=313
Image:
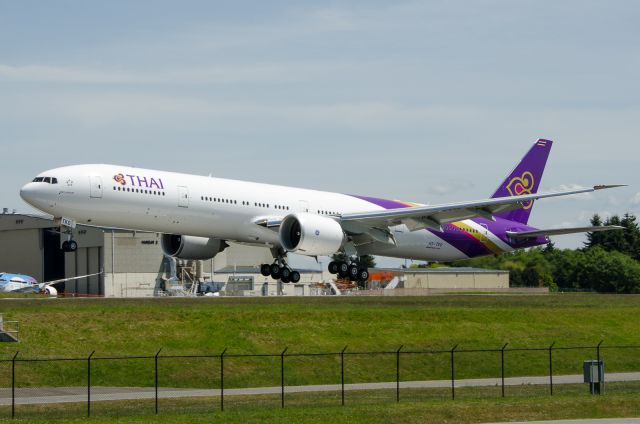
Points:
x=608, y=272
x=626, y=241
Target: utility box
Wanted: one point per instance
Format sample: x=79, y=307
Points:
x=594, y=375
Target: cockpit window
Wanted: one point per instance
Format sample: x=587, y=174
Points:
x=48, y=180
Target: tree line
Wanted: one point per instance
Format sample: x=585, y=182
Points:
x=609, y=262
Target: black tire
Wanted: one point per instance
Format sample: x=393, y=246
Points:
x=73, y=245
x=295, y=276
x=275, y=271
x=265, y=270
x=343, y=269
x=363, y=275
x=285, y=274
x=333, y=267
x=65, y=246
x=353, y=272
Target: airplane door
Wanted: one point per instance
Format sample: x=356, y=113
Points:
x=96, y=187
x=304, y=206
x=183, y=197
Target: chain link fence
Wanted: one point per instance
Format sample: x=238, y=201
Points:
x=113, y=386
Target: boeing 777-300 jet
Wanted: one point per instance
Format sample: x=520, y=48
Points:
x=199, y=215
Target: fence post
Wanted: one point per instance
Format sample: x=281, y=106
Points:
x=598, y=351
x=282, y=376
x=551, y=369
x=453, y=374
x=398, y=373
x=600, y=384
x=13, y=385
x=502, y=365
x=156, y=378
x=89, y=383
x=342, y=373
x=222, y=379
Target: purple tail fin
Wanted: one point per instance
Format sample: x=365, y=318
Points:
x=525, y=179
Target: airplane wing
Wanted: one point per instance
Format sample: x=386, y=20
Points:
x=560, y=231
x=62, y=280
x=421, y=217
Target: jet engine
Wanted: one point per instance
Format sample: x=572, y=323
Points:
x=311, y=235
x=191, y=247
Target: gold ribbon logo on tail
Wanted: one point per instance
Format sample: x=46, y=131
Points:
x=119, y=178
x=522, y=185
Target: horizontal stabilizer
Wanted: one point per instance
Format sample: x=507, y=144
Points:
x=560, y=231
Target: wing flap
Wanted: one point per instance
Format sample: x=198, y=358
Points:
x=561, y=231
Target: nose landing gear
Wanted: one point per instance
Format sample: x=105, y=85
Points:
x=69, y=245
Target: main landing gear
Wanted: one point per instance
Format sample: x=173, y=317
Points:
x=280, y=270
x=351, y=270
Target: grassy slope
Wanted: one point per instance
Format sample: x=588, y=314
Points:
x=75, y=327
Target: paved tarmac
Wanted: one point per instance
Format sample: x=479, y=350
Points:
x=32, y=396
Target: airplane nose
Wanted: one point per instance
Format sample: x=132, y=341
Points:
x=27, y=192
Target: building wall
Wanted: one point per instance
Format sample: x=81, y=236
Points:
x=453, y=280
x=22, y=252
x=131, y=284
x=239, y=255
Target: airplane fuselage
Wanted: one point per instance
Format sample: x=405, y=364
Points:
x=175, y=203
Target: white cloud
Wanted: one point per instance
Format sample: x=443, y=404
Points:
x=568, y=187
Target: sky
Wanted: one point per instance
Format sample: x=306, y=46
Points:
x=422, y=101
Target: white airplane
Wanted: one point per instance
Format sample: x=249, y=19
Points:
x=198, y=215
x=21, y=283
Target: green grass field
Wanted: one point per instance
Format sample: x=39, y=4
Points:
x=180, y=326
x=362, y=407
x=51, y=328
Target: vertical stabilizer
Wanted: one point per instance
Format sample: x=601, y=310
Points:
x=525, y=179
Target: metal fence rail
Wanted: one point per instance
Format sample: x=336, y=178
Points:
x=282, y=357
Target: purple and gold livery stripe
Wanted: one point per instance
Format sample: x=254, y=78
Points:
x=479, y=237
x=469, y=243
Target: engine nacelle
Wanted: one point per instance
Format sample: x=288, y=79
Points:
x=191, y=247
x=311, y=235
x=51, y=291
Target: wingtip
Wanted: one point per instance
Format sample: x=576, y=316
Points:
x=605, y=186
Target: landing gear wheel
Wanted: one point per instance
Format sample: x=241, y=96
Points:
x=285, y=274
x=73, y=246
x=295, y=276
x=65, y=246
x=265, y=270
x=363, y=275
x=353, y=272
x=333, y=267
x=343, y=269
x=275, y=271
